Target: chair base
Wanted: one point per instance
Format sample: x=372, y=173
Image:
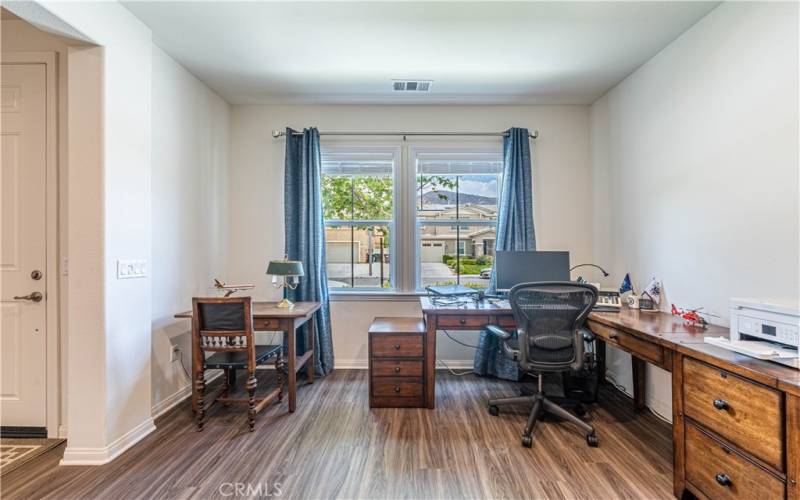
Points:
x=542, y=405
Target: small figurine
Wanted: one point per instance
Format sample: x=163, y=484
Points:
x=692, y=317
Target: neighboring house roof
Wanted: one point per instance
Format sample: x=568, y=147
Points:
x=481, y=232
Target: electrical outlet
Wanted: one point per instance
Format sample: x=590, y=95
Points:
x=175, y=355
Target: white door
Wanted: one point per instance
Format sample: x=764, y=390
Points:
x=23, y=250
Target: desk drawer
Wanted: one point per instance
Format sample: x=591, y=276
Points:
x=396, y=368
x=506, y=322
x=462, y=321
x=719, y=472
x=266, y=324
x=648, y=351
x=745, y=413
x=396, y=346
x=397, y=387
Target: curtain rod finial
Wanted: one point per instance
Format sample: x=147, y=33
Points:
x=276, y=133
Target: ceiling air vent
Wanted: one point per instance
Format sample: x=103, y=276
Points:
x=412, y=85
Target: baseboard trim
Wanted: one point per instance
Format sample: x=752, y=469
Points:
x=179, y=396
x=363, y=364
x=104, y=455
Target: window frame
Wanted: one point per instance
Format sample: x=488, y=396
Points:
x=405, y=245
x=485, y=153
x=359, y=153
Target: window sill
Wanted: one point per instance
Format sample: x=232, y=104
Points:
x=361, y=296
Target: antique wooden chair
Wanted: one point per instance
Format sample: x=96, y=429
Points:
x=223, y=328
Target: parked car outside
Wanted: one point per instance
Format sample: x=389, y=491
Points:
x=486, y=273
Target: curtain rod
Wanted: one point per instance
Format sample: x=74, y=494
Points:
x=532, y=135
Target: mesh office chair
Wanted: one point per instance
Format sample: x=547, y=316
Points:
x=549, y=338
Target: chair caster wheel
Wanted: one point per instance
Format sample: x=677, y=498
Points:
x=494, y=410
x=527, y=441
x=592, y=440
x=580, y=410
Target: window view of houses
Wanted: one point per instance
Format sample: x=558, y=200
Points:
x=455, y=219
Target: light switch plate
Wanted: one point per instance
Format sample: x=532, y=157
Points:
x=131, y=268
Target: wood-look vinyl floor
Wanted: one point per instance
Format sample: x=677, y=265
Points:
x=335, y=447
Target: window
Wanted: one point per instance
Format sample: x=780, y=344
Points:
x=456, y=207
x=397, y=226
x=358, y=196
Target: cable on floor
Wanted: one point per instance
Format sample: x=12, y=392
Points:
x=621, y=388
x=458, y=341
x=457, y=374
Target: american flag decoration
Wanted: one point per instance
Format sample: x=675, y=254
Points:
x=654, y=290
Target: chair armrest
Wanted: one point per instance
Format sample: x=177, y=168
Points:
x=588, y=335
x=499, y=332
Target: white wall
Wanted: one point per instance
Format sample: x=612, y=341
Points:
x=189, y=186
x=108, y=366
x=695, y=168
x=562, y=191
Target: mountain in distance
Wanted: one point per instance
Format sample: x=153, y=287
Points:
x=443, y=197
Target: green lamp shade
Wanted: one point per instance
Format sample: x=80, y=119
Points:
x=285, y=268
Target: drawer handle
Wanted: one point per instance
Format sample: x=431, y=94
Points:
x=612, y=335
x=723, y=479
x=721, y=404
x=397, y=346
x=397, y=369
x=397, y=390
x=463, y=321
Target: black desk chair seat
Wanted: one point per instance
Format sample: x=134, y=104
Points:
x=549, y=338
x=237, y=360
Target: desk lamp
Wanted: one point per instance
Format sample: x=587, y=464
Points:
x=291, y=270
x=605, y=273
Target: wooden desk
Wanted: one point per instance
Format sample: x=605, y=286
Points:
x=268, y=317
x=649, y=337
x=470, y=316
x=736, y=419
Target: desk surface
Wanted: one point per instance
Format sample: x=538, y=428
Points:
x=661, y=328
x=271, y=310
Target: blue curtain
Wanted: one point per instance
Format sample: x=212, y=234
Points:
x=305, y=237
x=514, y=233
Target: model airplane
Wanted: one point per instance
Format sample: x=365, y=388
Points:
x=230, y=289
x=692, y=317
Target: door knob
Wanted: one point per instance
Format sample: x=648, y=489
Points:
x=34, y=297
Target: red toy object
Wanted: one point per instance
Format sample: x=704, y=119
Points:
x=691, y=317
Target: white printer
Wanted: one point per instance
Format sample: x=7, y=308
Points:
x=765, y=330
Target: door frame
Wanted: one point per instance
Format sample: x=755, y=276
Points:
x=53, y=269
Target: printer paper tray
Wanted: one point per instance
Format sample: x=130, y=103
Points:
x=755, y=348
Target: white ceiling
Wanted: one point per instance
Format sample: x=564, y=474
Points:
x=476, y=53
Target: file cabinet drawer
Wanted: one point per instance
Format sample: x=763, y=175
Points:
x=397, y=346
x=719, y=472
x=745, y=413
x=397, y=387
x=396, y=368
